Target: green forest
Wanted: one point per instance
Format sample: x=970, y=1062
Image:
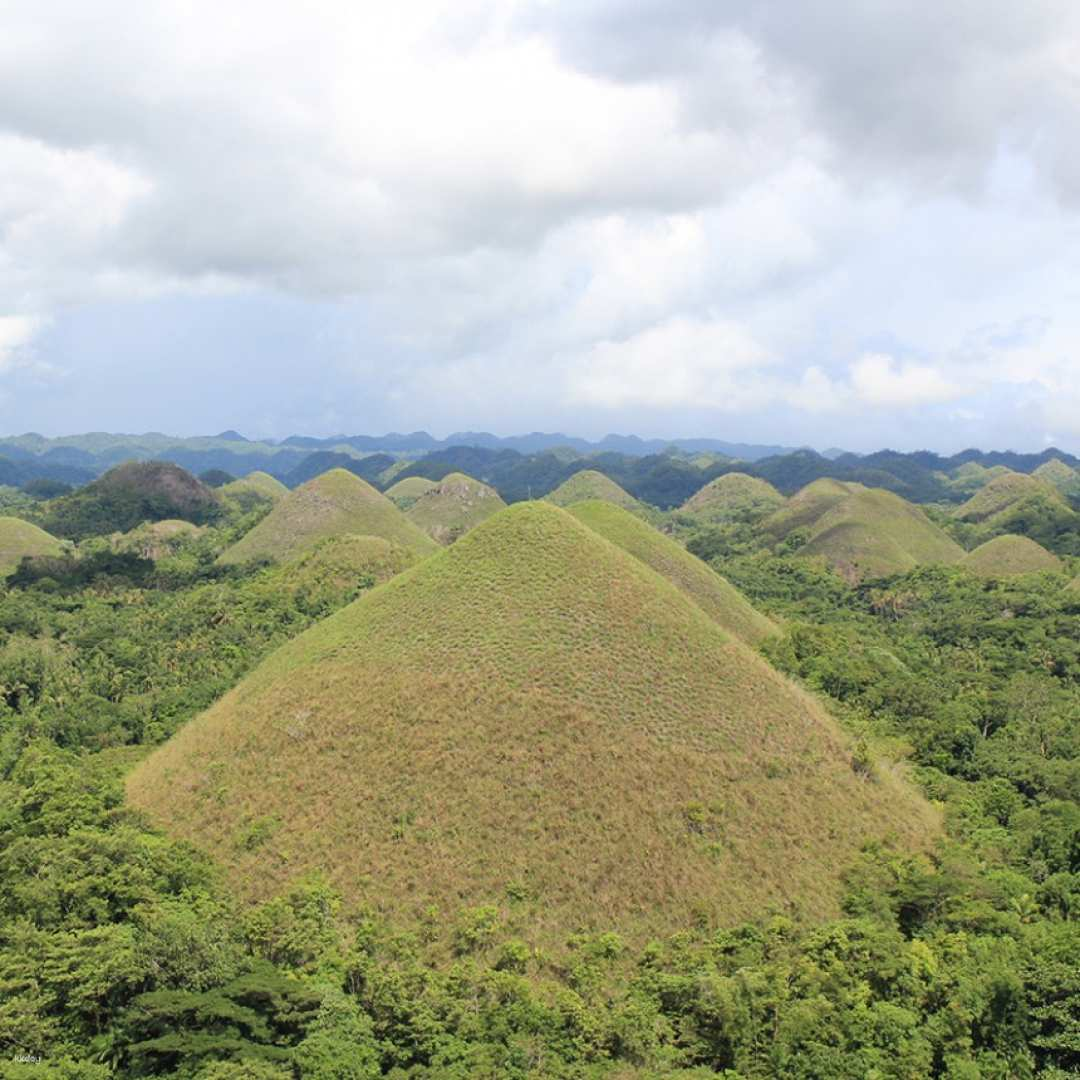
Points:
x=129, y=951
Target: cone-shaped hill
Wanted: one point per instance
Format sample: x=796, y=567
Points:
x=733, y=497
x=19, y=539
x=126, y=496
x=1004, y=494
x=1006, y=556
x=715, y=595
x=337, y=503
x=807, y=505
x=456, y=504
x=531, y=718
x=256, y=487
x=405, y=492
x=874, y=533
x=590, y=484
x=1065, y=478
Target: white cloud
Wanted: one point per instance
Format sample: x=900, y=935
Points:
x=877, y=379
x=679, y=362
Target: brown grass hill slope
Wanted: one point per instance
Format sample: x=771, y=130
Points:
x=253, y=489
x=1007, y=556
x=336, y=503
x=733, y=497
x=405, y=492
x=806, y=506
x=874, y=533
x=716, y=596
x=20, y=539
x=128, y=495
x=1006, y=493
x=590, y=484
x=456, y=504
x=536, y=720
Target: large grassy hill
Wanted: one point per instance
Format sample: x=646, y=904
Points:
x=536, y=720
x=337, y=503
x=1005, y=493
x=806, y=506
x=1005, y=556
x=19, y=539
x=1065, y=478
x=712, y=593
x=453, y=506
x=873, y=533
x=590, y=484
x=733, y=497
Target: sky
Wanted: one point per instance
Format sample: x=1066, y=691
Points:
x=829, y=224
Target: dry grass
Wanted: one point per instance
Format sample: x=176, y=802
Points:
x=1007, y=556
x=337, y=503
x=1065, y=478
x=590, y=484
x=339, y=562
x=806, y=506
x=536, y=719
x=405, y=492
x=256, y=484
x=716, y=596
x=733, y=497
x=453, y=506
x=19, y=539
x=1003, y=493
x=873, y=533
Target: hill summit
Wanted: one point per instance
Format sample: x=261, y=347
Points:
x=536, y=720
x=336, y=503
x=733, y=497
x=1008, y=555
x=453, y=506
x=590, y=484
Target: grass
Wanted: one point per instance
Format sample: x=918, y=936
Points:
x=733, y=497
x=873, y=533
x=1005, y=493
x=340, y=562
x=717, y=597
x=1060, y=475
x=534, y=719
x=257, y=484
x=590, y=484
x=806, y=506
x=20, y=538
x=1006, y=556
x=405, y=492
x=156, y=539
x=337, y=503
x=453, y=506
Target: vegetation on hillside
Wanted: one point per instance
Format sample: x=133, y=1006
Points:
x=125, y=497
x=1005, y=556
x=733, y=497
x=531, y=711
x=589, y=484
x=20, y=539
x=453, y=506
x=337, y=503
x=124, y=953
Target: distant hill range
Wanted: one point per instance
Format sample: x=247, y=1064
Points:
x=662, y=473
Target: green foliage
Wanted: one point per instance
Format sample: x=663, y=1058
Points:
x=122, y=955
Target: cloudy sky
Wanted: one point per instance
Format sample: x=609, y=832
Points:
x=839, y=223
